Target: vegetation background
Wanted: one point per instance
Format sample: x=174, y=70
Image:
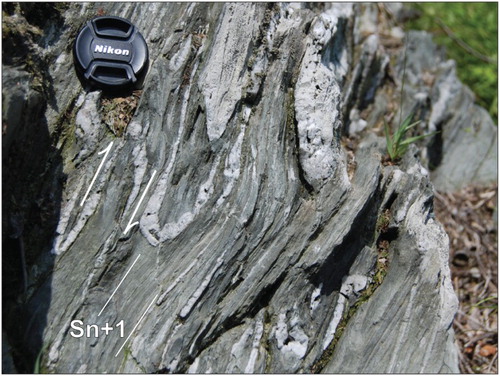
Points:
x=469, y=32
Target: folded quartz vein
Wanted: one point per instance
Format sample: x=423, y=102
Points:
x=266, y=244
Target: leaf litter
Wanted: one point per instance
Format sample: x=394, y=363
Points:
x=469, y=216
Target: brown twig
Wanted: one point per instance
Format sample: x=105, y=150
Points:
x=490, y=366
x=467, y=218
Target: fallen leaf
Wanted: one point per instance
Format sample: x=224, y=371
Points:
x=488, y=350
x=468, y=350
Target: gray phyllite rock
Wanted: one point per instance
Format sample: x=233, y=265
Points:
x=230, y=228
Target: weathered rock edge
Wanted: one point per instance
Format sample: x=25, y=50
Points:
x=255, y=240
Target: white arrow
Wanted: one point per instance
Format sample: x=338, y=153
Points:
x=107, y=150
x=130, y=224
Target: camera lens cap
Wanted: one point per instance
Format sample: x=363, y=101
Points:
x=111, y=54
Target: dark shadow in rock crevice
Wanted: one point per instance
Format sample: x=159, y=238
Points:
x=435, y=148
x=340, y=260
x=32, y=186
x=32, y=181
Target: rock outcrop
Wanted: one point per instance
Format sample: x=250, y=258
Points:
x=250, y=233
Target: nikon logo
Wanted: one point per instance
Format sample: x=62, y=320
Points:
x=110, y=50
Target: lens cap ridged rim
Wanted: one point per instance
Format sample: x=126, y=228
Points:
x=111, y=54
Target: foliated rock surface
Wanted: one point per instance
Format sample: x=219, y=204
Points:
x=252, y=239
x=464, y=149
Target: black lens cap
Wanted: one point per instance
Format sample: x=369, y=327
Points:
x=111, y=54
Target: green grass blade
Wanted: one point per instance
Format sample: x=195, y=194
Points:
x=389, y=140
x=37, y=362
x=406, y=121
x=401, y=150
x=412, y=125
x=398, y=134
x=401, y=131
x=411, y=140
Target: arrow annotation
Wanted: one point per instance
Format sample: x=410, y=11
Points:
x=130, y=224
x=106, y=151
